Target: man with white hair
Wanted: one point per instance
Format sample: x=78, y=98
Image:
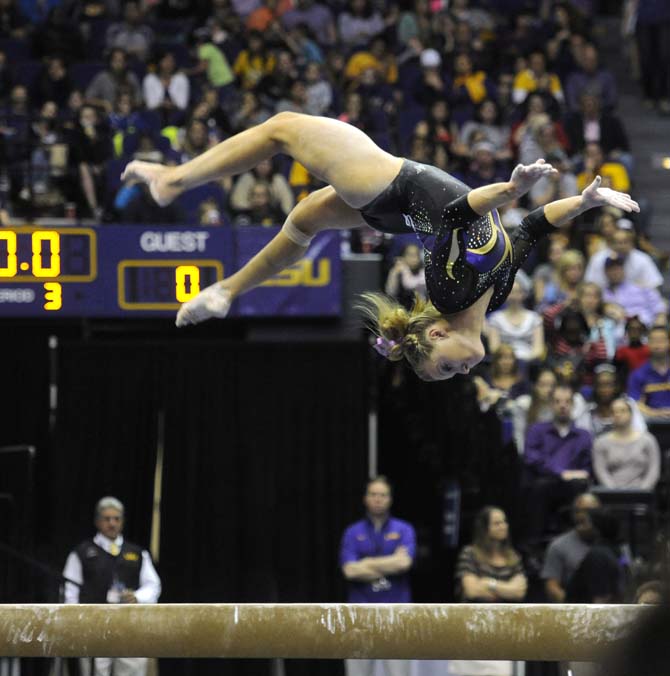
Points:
x=111, y=570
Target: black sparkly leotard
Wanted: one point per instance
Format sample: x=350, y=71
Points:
x=465, y=253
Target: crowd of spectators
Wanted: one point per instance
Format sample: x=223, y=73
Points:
x=470, y=86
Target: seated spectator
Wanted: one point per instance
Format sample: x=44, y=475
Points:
x=264, y=172
x=354, y=112
x=525, y=132
x=613, y=173
x=195, y=140
x=527, y=409
x=165, y=89
x=649, y=385
x=295, y=100
x=319, y=90
x=547, y=273
x=254, y=62
x=108, y=84
x=485, y=127
x=261, y=211
x=123, y=121
x=407, y=277
x=557, y=462
x=569, y=274
x=59, y=35
x=490, y=570
x=48, y=158
x=604, y=321
x=570, y=337
x=90, y=148
x=635, y=351
x=518, y=327
x=250, y=113
x=53, y=83
x=536, y=77
x=302, y=44
x=212, y=113
x=590, y=124
x=277, y=85
x=431, y=87
x=359, y=23
x=605, y=227
x=626, y=457
x=212, y=62
x=591, y=79
x=378, y=57
x=639, y=267
x=600, y=575
x=13, y=22
x=438, y=128
x=639, y=301
x=132, y=35
x=597, y=417
x=469, y=88
x=269, y=13
x=316, y=16
x=414, y=23
x=562, y=27
x=556, y=186
x=483, y=169
x=567, y=551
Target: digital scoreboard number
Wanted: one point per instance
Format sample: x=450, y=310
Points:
x=130, y=270
x=29, y=255
x=165, y=284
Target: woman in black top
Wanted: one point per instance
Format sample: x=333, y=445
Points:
x=470, y=259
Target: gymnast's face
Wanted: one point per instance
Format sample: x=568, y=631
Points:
x=453, y=352
x=110, y=522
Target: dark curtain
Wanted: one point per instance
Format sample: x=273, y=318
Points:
x=265, y=457
x=105, y=438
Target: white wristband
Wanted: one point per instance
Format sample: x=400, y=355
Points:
x=296, y=236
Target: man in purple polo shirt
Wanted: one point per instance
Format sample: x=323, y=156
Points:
x=557, y=460
x=376, y=554
x=649, y=385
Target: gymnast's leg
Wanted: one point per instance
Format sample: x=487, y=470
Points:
x=321, y=210
x=337, y=153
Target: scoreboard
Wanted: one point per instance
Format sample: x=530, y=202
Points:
x=130, y=270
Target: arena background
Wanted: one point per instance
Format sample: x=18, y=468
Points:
x=264, y=429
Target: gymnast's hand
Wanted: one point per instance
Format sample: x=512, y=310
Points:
x=595, y=196
x=525, y=176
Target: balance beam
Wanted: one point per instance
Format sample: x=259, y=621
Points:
x=324, y=631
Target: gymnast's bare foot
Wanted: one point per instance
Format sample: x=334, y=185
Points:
x=214, y=301
x=156, y=176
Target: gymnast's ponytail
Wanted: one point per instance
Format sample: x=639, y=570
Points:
x=400, y=332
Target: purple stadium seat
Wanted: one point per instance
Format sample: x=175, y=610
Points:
x=16, y=50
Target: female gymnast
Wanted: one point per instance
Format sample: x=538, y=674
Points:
x=470, y=259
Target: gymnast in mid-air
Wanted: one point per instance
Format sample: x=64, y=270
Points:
x=471, y=261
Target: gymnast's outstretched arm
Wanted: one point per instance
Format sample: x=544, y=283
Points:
x=562, y=211
x=524, y=176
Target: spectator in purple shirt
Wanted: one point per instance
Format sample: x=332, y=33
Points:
x=649, y=385
x=557, y=458
x=376, y=554
x=644, y=302
x=591, y=79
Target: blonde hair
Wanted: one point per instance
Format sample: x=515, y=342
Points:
x=568, y=259
x=385, y=317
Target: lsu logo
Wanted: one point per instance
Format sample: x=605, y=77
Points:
x=131, y=556
x=304, y=273
x=392, y=536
